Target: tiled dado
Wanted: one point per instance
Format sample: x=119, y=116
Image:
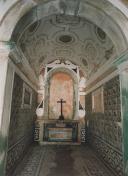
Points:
x=109, y=155
x=105, y=129
x=21, y=127
x=16, y=153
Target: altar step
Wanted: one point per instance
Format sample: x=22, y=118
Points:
x=60, y=143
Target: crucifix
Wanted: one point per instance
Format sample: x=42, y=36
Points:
x=61, y=117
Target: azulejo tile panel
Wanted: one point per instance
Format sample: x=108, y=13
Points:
x=21, y=125
x=105, y=129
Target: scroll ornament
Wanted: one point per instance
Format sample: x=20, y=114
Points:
x=40, y=109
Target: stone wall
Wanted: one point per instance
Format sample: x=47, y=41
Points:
x=105, y=129
x=21, y=124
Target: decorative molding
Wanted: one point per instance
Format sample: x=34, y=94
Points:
x=98, y=100
x=101, y=82
x=101, y=35
x=4, y=49
x=82, y=93
x=16, y=55
x=63, y=52
x=90, y=49
x=62, y=64
x=18, y=71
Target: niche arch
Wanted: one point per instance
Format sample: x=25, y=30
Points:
x=74, y=77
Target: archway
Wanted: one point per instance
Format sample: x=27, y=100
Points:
x=97, y=14
x=75, y=87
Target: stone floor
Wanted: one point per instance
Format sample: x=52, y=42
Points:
x=61, y=161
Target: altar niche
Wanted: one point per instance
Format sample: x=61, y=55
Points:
x=61, y=91
x=59, y=123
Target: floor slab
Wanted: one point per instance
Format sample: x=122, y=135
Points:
x=61, y=161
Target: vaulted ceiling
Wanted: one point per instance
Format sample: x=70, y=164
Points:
x=88, y=33
x=66, y=37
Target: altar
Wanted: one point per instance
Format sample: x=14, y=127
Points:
x=57, y=132
x=61, y=101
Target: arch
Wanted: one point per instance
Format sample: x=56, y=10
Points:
x=102, y=14
x=75, y=82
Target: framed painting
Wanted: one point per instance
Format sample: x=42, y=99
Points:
x=26, y=97
x=98, y=100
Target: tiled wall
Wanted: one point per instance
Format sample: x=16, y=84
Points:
x=21, y=126
x=105, y=129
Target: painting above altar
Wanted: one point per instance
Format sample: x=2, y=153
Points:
x=61, y=86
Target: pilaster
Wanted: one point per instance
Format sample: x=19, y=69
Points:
x=6, y=84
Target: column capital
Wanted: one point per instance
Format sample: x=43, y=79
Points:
x=122, y=62
x=123, y=67
x=5, y=48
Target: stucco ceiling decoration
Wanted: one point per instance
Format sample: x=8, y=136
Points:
x=65, y=39
x=110, y=15
x=64, y=21
x=57, y=37
x=68, y=38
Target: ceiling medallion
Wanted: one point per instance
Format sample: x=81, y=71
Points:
x=33, y=27
x=100, y=34
x=65, y=38
x=84, y=61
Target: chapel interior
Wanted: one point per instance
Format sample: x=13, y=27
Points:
x=64, y=88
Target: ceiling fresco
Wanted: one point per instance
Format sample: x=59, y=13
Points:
x=66, y=37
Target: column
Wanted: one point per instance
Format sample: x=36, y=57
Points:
x=6, y=85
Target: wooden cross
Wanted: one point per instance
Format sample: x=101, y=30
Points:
x=61, y=117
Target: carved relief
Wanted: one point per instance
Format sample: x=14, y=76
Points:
x=108, y=53
x=90, y=50
x=63, y=52
x=67, y=20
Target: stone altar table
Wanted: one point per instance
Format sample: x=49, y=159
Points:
x=57, y=132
